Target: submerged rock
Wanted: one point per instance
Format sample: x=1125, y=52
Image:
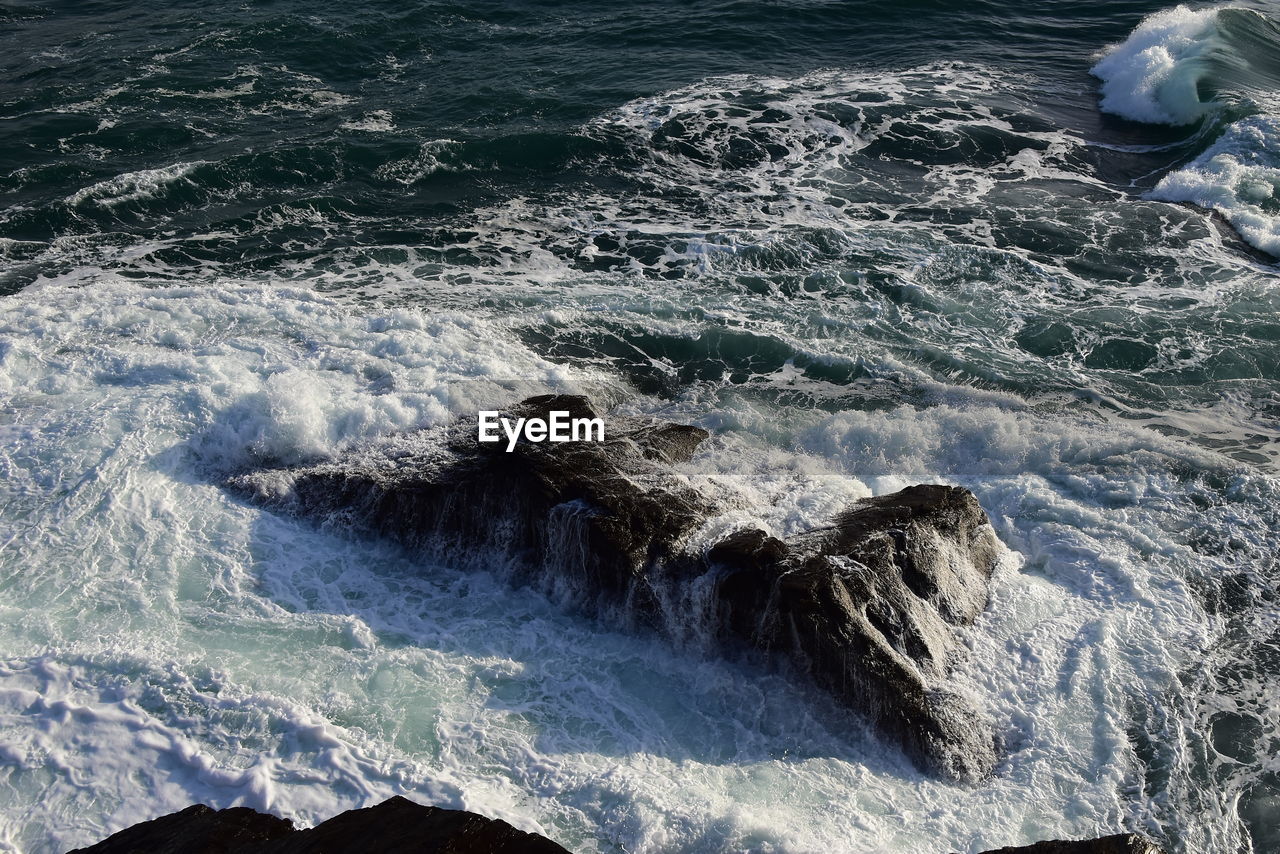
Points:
x=867, y=606
x=396, y=826
x=1124, y=843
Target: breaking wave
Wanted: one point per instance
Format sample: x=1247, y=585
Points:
x=1183, y=66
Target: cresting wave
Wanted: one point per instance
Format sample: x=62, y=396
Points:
x=1156, y=75
x=1214, y=66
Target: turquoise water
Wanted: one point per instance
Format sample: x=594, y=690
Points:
x=1030, y=252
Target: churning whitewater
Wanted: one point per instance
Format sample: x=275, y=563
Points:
x=1033, y=254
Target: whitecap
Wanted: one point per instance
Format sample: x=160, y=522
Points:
x=1239, y=177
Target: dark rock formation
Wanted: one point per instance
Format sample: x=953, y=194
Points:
x=588, y=515
x=196, y=830
x=867, y=606
x=396, y=826
x=1124, y=843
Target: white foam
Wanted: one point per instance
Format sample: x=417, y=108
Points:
x=132, y=186
x=1238, y=176
x=427, y=161
x=378, y=121
x=278, y=392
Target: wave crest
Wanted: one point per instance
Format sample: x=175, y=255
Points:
x=1181, y=64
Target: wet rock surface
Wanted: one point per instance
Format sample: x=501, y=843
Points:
x=868, y=606
x=396, y=826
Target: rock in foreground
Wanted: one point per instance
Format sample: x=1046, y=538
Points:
x=197, y=828
x=396, y=826
x=867, y=606
x=1124, y=843
x=399, y=826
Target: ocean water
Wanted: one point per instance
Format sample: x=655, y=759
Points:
x=1032, y=250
